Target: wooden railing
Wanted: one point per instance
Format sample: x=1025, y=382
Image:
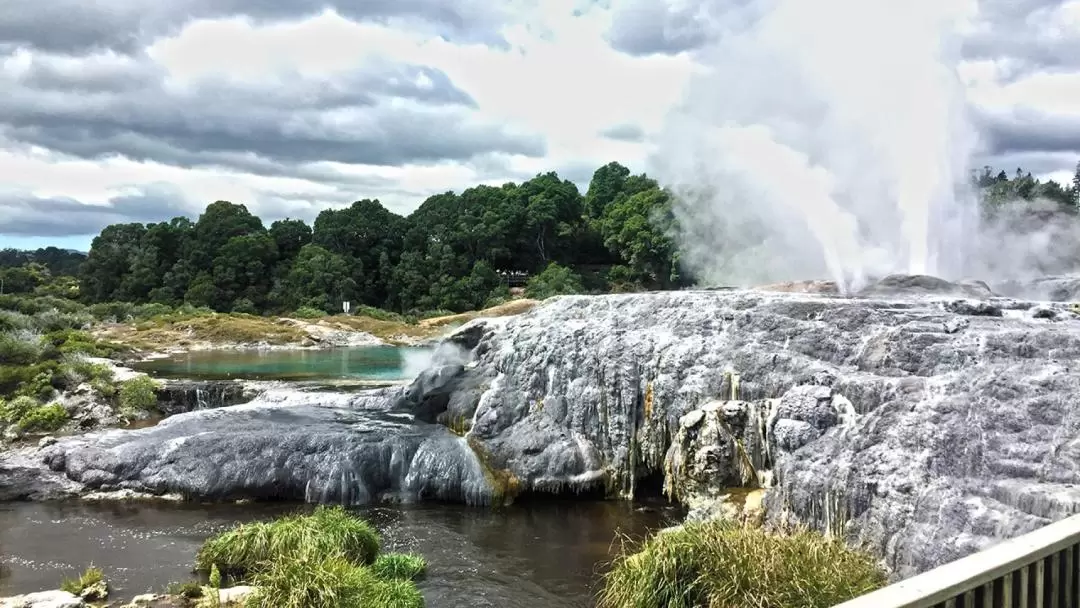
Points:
x=1040, y=569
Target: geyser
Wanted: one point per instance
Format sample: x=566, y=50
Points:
x=820, y=138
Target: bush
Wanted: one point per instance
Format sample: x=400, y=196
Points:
x=722, y=565
x=154, y=309
x=11, y=320
x=245, y=306
x=119, y=312
x=138, y=394
x=44, y=419
x=19, y=349
x=309, y=580
x=307, y=312
x=329, y=531
x=554, y=280
x=400, y=566
x=12, y=411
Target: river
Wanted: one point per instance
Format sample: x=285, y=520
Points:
x=543, y=555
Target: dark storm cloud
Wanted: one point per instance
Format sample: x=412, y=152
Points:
x=624, y=132
x=383, y=114
x=78, y=26
x=28, y=215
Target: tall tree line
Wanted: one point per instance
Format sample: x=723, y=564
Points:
x=451, y=253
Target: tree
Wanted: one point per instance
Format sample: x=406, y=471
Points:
x=319, y=279
x=362, y=233
x=637, y=229
x=554, y=280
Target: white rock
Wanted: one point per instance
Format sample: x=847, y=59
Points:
x=43, y=599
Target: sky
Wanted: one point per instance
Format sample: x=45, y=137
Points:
x=142, y=110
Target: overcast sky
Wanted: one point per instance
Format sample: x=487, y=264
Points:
x=141, y=110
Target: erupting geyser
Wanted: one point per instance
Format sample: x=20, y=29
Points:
x=822, y=138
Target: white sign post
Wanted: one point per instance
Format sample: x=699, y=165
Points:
x=346, y=306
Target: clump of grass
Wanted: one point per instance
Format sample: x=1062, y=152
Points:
x=307, y=580
x=89, y=578
x=329, y=531
x=399, y=566
x=719, y=564
x=188, y=590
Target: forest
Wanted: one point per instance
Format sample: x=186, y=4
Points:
x=455, y=252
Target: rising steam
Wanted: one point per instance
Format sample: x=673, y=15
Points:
x=826, y=138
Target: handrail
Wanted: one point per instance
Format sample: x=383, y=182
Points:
x=955, y=579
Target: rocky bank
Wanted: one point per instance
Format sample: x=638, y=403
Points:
x=919, y=418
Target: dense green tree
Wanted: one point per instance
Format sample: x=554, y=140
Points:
x=638, y=229
x=318, y=279
x=363, y=234
x=112, y=254
x=554, y=280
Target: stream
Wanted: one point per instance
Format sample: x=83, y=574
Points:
x=543, y=555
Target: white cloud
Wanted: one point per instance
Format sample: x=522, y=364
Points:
x=558, y=77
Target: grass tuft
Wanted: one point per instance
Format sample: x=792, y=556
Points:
x=329, y=531
x=90, y=577
x=719, y=564
x=399, y=566
x=307, y=580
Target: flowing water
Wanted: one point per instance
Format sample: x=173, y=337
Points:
x=370, y=363
x=538, y=555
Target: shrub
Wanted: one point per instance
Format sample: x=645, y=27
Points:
x=21, y=349
x=245, y=306
x=138, y=394
x=12, y=411
x=113, y=311
x=154, y=309
x=308, y=312
x=40, y=385
x=44, y=419
x=329, y=531
x=11, y=320
x=401, y=566
x=723, y=565
x=309, y=580
x=554, y=280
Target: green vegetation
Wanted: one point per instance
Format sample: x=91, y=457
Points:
x=327, y=531
x=328, y=559
x=138, y=394
x=553, y=281
x=90, y=584
x=189, y=590
x=719, y=564
x=403, y=566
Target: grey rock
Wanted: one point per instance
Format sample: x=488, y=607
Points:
x=45, y=442
x=885, y=417
x=43, y=599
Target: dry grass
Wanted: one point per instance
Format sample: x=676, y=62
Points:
x=513, y=307
x=193, y=331
x=718, y=564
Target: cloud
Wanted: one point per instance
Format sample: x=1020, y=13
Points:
x=380, y=113
x=624, y=132
x=78, y=26
x=28, y=215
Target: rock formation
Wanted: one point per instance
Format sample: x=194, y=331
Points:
x=921, y=418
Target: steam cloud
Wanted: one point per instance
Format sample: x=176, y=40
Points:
x=825, y=139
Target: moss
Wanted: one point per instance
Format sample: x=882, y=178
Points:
x=327, y=531
x=722, y=565
x=504, y=484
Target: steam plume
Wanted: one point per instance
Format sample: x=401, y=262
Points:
x=825, y=138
